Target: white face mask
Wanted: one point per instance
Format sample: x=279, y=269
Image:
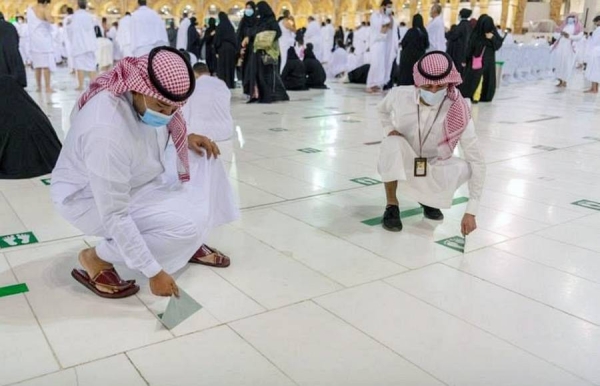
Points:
x=388, y=11
x=432, y=98
x=570, y=21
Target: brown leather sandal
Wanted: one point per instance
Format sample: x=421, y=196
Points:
x=108, y=278
x=219, y=259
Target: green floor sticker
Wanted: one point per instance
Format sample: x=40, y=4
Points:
x=587, y=204
x=366, y=181
x=592, y=138
x=13, y=289
x=309, y=150
x=457, y=243
x=46, y=181
x=17, y=239
x=547, y=148
x=410, y=212
x=278, y=129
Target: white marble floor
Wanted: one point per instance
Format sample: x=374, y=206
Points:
x=317, y=294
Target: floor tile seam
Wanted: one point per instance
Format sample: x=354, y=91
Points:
x=537, y=220
x=373, y=339
x=137, y=296
x=136, y=369
x=545, y=265
x=564, y=242
x=232, y=329
x=490, y=333
x=561, y=190
x=536, y=153
x=310, y=166
x=524, y=296
x=343, y=239
x=37, y=321
x=13, y=210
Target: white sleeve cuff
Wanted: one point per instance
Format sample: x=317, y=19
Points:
x=472, y=206
x=151, y=270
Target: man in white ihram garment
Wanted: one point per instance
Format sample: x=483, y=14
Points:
x=182, y=33
x=288, y=37
x=422, y=126
x=436, y=29
x=360, y=41
x=592, y=70
x=380, y=50
x=148, y=30
x=113, y=178
x=313, y=36
x=327, y=36
x=563, y=50
x=41, y=47
x=124, y=35
x=83, y=45
x=23, y=30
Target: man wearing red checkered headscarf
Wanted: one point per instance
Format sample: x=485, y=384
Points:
x=422, y=127
x=131, y=174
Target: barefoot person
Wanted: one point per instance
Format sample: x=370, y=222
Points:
x=41, y=49
x=113, y=178
x=592, y=70
x=423, y=124
x=82, y=38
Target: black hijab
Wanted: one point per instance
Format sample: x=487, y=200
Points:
x=225, y=30
x=266, y=18
x=292, y=55
x=246, y=23
x=308, y=52
x=417, y=22
x=485, y=24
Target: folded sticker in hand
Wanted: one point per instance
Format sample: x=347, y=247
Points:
x=179, y=309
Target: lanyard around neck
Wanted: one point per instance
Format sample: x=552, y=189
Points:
x=422, y=141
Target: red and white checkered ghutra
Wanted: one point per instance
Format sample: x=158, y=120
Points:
x=437, y=68
x=131, y=74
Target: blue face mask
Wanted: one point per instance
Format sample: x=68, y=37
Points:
x=249, y=12
x=154, y=118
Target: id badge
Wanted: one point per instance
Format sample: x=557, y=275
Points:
x=420, y=167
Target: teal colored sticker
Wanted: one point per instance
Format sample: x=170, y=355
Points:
x=309, y=150
x=366, y=181
x=46, y=181
x=587, y=204
x=17, y=240
x=456, y=243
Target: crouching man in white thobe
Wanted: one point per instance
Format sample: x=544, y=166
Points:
x=423, y=124
x=112, y=177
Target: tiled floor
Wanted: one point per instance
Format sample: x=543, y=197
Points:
x=318, y=295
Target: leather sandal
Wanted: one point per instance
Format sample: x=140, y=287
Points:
x=219, y=259
x=108, y=278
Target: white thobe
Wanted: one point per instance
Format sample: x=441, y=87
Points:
x=592, y=70
x=148, y=31
x=380, y=51
x=360, y=42
x=110, y=182
x=41, y=47
x=23, y=30
x=445, y=172
x=286, y=41
x=327, y=36
x=112, y=35
x=124, y=36
x=313, y=36
x=83, y=42
x=353, y=62
x=208, y=111
x=182, y=34
x=437, y=34
x=338, y=64
x=563, y=53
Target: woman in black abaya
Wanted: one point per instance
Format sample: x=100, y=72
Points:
x=209, y=45
x=484, y=41
x=194, y=42
x=226, y=48
x=29, y=146
x=11, y=62
x=294, y=74
x=246, y=43
x=315, y=73
x=414, y=45
x=265, y=83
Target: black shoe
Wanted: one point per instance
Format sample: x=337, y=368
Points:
x=432, y=213
x=391, y=219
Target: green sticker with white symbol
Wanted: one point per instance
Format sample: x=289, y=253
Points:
x=309, y=150
x=46, y=181
x=588, y=204
x=456, y=243
x=18, y=239
x=366, y=181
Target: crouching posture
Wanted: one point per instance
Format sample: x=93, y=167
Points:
x=423, y=125
x=130, y=174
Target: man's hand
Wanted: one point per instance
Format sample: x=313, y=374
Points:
x=163, y=284
x=201, y=144
x=468, y=224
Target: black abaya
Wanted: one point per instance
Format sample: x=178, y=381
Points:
x=458, y=41
x=244, y=28
x=414, y=45
x=294, y=74
x=315, y=73
x=11, y=62
x=194, y=42
x=264, y=77
x=29, y=146
x=209, y=46
x=472, y=78
x=360, y=74
x=226, y=48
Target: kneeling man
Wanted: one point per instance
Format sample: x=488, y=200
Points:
x=113, y=180
x=423, y=125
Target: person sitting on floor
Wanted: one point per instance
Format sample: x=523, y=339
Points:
x=113, y=181
x=315, y=73
x=294, y=74
x=422, y=125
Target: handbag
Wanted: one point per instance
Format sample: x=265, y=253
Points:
x=268, y=60
x=264, y=40
x=478, y=61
